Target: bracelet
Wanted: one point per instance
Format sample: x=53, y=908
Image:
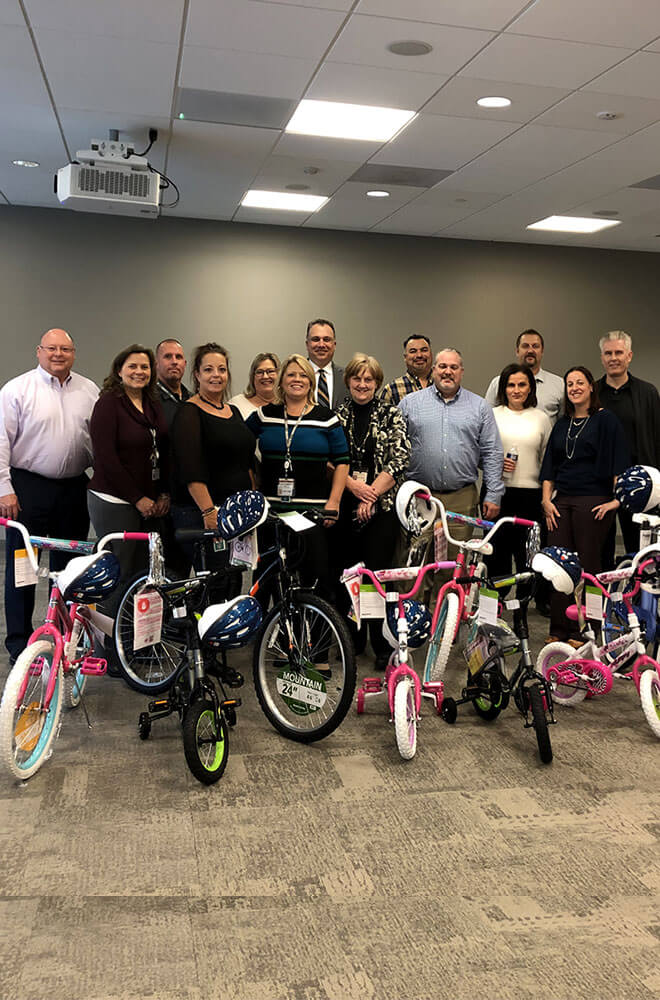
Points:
x=209, y=510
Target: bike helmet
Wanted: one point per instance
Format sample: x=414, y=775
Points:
x=415, y=507
x=559, y=566
x=241, y=513
x=418, y=618
x=232, y=624
x=638, y=489
x=88, y=579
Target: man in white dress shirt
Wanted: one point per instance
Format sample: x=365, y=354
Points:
x=321, y=345
x=44, y=451
x=549, y=388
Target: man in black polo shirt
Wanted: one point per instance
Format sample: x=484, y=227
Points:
x=637, y=405
x=170, y=366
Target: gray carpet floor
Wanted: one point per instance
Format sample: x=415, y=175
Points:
x=336, y=871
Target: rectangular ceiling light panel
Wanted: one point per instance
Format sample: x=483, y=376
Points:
x=348, y=121
x=572, y=224
x=283, y=200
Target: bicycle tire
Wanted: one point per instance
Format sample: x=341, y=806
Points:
x=437, y=655
x=75, y=681
x=649, y=692
x=304, y=705
x=206, y=750
x=570, y=694
x=152, y=669
x=491, y=702
x=405, y=718
x=539, y=721
x=26, y=732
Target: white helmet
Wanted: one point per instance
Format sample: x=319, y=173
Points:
x=415, y=507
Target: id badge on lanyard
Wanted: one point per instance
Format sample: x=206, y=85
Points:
x=155, y=471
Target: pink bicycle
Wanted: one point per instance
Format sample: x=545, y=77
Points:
x=59, y=656
x=406, y=626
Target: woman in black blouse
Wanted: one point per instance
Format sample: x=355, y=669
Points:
x=213, y=450
x=586, y=452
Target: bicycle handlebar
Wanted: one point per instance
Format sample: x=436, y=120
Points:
x=376, y=576
x=123, y=536
x=26, y=539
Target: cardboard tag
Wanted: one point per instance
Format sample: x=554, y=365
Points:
x=593, y=600
x=488, y=601
x=372, y=604
x=244, y=551
x=645, y=538
x=440, y=542
x=295, y=521
x=353, y=588
x=24, y=575
x=147, y=617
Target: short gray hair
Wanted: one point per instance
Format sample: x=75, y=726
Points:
x=454, y=350
x=616, y=335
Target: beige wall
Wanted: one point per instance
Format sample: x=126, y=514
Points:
x=110, y=281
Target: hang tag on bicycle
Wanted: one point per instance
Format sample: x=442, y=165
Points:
x=24, y=575
x=294, y=520
x=488, y=603
x=147, y=617
x=353, y=588
x=476, y=653
x=372, y=604
x=593, y=600
x=440, y=542
x=219, y=545
x=244, y=551
x=645, y=538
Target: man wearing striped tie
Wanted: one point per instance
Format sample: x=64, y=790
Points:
x=321, y=345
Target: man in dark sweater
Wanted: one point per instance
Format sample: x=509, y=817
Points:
x=170, y=366
x=637, y=405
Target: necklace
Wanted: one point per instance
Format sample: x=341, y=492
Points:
x=209, y=403
x=571, y=439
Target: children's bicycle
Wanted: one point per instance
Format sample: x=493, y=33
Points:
x=406, y=626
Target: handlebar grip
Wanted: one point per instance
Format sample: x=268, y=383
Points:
x=194, y=534
x=524, y=522
x=136, y=536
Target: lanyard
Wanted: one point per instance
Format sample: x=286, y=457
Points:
x=154, y=448
x=169, y=394
x=288, y=438
x=357, y=448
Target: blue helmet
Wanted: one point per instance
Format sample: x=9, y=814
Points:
x=418, y=618
x=638, y=489
x=88, y=579
x=232, y=624
x=559, y=566
x=241, y=512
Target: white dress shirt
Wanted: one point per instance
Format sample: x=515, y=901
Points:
x=329, y=377
x=44, y=425
x=549, y=393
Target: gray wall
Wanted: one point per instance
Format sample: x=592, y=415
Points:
x=110, y=281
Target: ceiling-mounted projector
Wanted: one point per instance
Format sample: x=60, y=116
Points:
x=109, y=178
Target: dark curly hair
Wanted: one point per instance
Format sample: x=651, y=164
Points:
x=112, y=382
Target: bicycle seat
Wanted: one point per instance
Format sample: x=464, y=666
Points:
x=478, y=545
x=572, y=612
x=172, y=587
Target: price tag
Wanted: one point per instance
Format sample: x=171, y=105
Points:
x=24, y=575
x=440, y=542
x=488, y=601
x=645, y=538
x=372, y=604
x=593, y=600
x=147, y=617
x=353, y=588
x=244, y=552
x=295, y=521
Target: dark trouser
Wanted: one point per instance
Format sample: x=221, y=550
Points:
x=630, y=532
x=510, y=542
x=55, y=507
x=580, y=532
x=227, y=585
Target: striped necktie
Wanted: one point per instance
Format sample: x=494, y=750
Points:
x=322, y=389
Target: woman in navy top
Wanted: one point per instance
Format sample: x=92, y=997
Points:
x=586, y=452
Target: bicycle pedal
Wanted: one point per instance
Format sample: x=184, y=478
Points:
x=37, y=667
x=231, y=703
x=372, y=685
x=162, y=705
x=93, y=666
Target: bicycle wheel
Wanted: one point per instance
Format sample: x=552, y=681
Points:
x=539, y=721
x=567, y=692
x=304, y=684
x=649, y=692
x=437, y=655
x=405, y=718
x=205, y=744
x=491, y=701
x=75, y=681
x=27, y=731
x=152, y=669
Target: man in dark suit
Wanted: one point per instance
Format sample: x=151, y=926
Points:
x=321, y=344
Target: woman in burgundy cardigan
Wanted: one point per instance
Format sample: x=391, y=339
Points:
x=128, y=491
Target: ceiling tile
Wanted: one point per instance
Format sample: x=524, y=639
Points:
x=611, y=23
x=373, y=85
x=542, y=62
x=321, y=4
x=309, y=148
x=490, y=14
x=147, y=20
x=351, y=209
x=245, y=72
x=439, y=141
x=364, y=41
x=11, y=13
x=580, y=110
x=113, y=74
x=21, y=81
x=638, y=76
x=459, y=97
x=631, y=203
x=24, y=186
x=435, y=209
x=250, y=26
x=278, y=171
x=269, y=217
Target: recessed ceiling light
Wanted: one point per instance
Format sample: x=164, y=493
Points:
x=378, y=194
x=493, y=102
x=25, y=163
x=572, y=224
x=607, y=116
x=348, y=121
x=285, y=202
x=410, y=48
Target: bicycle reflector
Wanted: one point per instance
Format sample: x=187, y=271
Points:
x=232, y=624
x=414, y=510
x=88, y=579
x=559, y=566
x=419, y=623
x=638, y=489
x=241, y=512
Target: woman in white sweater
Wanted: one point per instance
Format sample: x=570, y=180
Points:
x=524, y=429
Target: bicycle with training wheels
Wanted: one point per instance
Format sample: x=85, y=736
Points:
x=54, y=666
x=406, y=626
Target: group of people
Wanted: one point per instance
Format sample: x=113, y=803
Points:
x=309, y=433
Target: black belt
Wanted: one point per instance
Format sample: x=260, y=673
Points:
x=49, y=479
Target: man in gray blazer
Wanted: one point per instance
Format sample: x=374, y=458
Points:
x=321, y=344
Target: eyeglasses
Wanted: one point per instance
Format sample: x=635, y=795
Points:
x=54, y=350
x=265, y=372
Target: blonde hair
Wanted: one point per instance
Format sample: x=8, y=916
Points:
x=360, y=361
x=304, y=363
